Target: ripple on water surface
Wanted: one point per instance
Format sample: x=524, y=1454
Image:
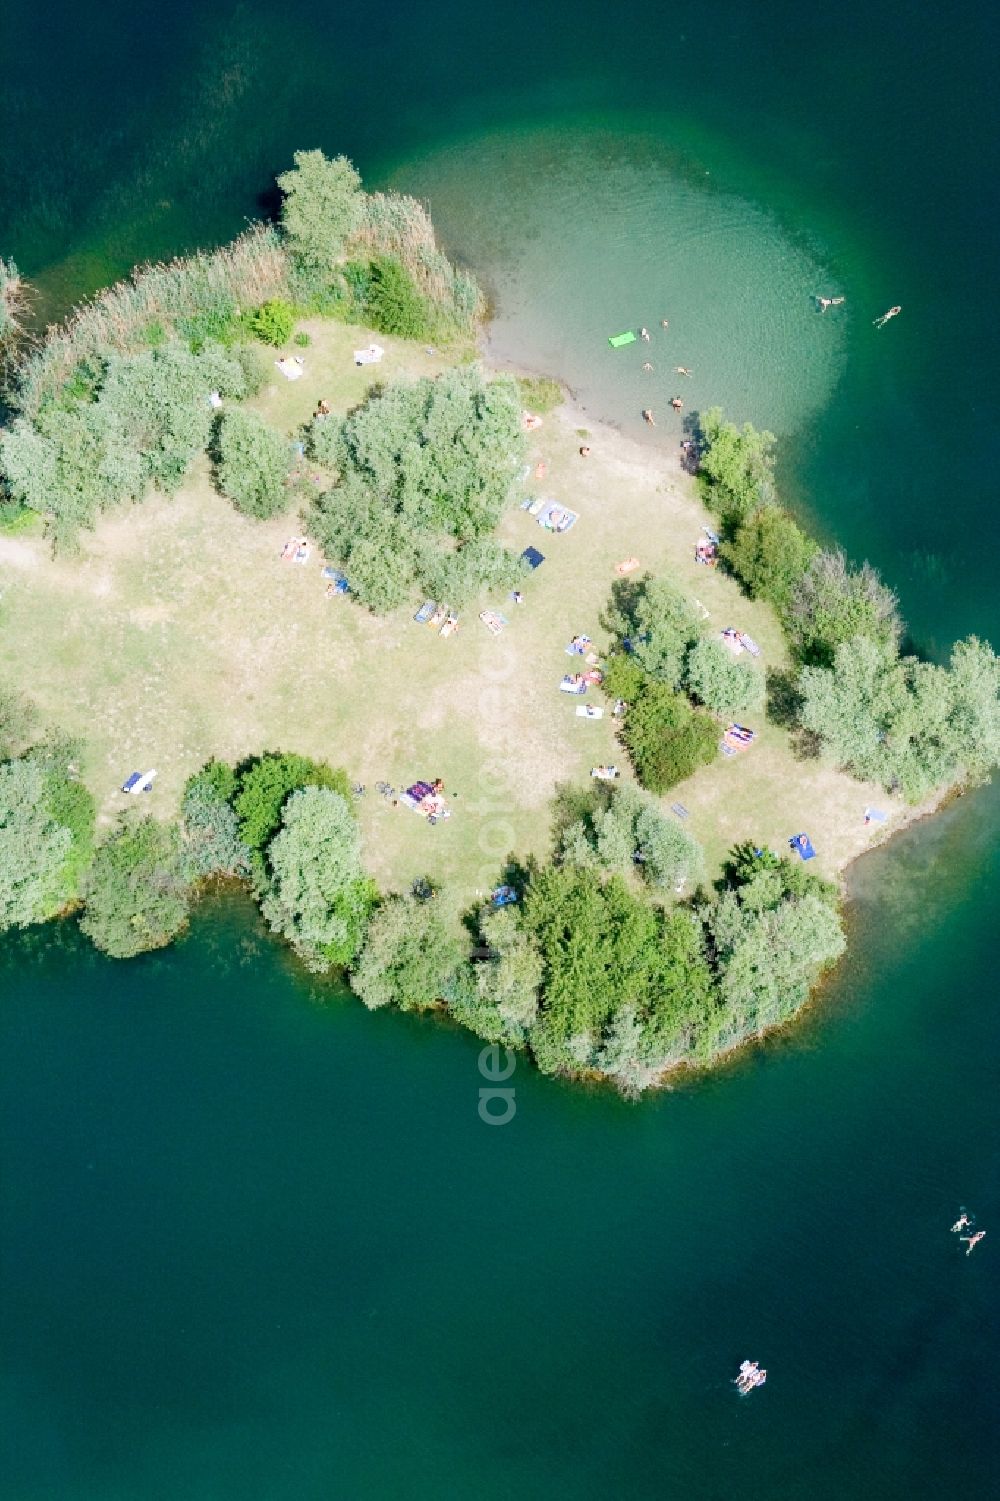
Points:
x=580, y=234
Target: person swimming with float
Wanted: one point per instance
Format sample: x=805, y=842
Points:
x=892, y=313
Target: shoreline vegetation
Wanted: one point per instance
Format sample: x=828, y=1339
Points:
x=574, y=794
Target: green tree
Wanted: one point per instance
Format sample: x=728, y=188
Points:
x=769, y=555
x=18, y=722
x=253, y=463
x=736, y=467
x=211, y=840
x=659, y=623
x=422, y=466
x=722, y=682
x=833, y=603
x=263, y=785
x=393, y=304
x=321, y=206
x=318, y=897
x=136, y=896
x=499, y=999
x=409, y=957
x=34, y=847
x=666, y=739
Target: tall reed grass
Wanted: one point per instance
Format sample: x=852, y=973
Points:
x=398, y=226
x=150, y=305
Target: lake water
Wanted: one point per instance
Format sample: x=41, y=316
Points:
x=257, y=1243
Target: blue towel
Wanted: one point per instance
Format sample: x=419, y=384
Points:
x=802, y=845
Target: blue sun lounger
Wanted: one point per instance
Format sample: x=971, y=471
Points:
x=802, y=845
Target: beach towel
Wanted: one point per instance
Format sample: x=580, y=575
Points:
x=291, y=366
x=802, y=845
x=748, y=644
x=679, y=809
x=629, y=566
x=604, y=773
x=569, y=686
x=875, y=815
x=618, y=341
x=370, y=356
x=503, y=896
x=425, y=612
x=533, y=557
x=556, y=518
x=493, y=622
x=589, y=711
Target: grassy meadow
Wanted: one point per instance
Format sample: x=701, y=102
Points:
x=178, y=633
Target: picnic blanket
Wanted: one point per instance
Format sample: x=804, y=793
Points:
x=589, y=711
x=503, y=896
x=569, y=684
x=425, y=612
x=370, y=356
x=291, y=366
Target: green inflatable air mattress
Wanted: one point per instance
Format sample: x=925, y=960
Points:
x=620, y=339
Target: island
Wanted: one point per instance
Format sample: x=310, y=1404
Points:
x=496, y=712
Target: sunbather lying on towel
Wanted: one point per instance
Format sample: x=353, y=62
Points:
x=573, y=682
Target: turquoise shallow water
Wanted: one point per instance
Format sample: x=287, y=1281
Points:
x=256, y=1246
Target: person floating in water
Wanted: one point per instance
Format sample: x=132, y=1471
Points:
x=644, y=334
x=647, y=416
x=962, y=1223
x=881, y=322
x=822, y=303
x=647, y=367
x=973, y=1240
x=664, y=323
x=681, y=370
x=677, y=404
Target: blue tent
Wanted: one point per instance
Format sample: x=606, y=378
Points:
x=533, y=557
x=802, y=845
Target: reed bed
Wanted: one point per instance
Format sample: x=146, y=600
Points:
x=398, y=226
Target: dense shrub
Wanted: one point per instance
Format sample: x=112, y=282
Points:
x=409, y=959
x=736, y=468
x=148, y=420
x=620, y=829
x=273, y=321
x=624, y=986
x=263, y=785
x=666, y=739
x=769, y=555
x=392, y=303
x=34, y=847
x=833, y=603
x=497, y=998
x=18, y=722
x=423, y=465
x=656, y=624
x=136, y=894
x=211, y=841
x=318, y=897
x=723, y=683
x=771, y=932
x=905, y=723
x=252, y=462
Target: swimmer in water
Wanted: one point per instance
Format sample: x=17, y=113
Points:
x=644, y=334
x=664, y=323
x=647, y=367
x=677, y=404
x=962, y=1223
x=681, y=370
x=892, y=313
x=647, y=416
x=973, y=1240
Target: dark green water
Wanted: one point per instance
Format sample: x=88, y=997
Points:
x=257, y=1247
